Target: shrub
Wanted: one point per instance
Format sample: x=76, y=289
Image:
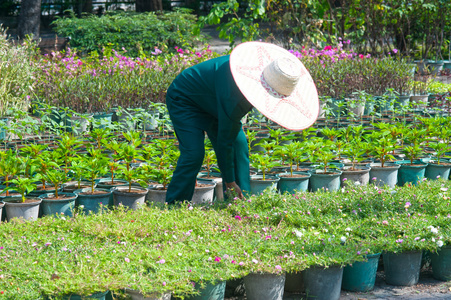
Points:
x=96, y=84
x=339, y=73
x=137, y=33
x=17, y=78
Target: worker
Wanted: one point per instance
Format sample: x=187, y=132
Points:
x=212, y=97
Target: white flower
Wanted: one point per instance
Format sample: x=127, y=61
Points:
x=433, y=229
x=255, y=261
x=439, y=243
x=298, y=233
x=343, y=239
x=357, y=183
x=348, y=229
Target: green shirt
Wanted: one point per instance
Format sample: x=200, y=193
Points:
x=209, y=87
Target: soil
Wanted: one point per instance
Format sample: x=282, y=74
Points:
x=132, y=191
x=294, y=176
x=71, y=188
x=112, y=183
x=27, y=200
x=202, y=185
x=47, y=188
x=10, y=194
x=96, y=192
x=60, y=197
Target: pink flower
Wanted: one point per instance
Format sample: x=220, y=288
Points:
x=164, y=283
x=217, y=258
x=238, y=218
x=127, y=259
x=278, y=267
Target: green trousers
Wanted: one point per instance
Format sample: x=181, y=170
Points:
x=190, y=125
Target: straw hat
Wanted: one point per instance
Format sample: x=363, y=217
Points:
x=276, y=83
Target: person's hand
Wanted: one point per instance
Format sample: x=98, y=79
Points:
x=234, y=189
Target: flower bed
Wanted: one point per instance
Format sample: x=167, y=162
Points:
x=176, y=250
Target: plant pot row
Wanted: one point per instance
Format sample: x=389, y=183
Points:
x=93, y=202
x=391, y=174
x=321, y=283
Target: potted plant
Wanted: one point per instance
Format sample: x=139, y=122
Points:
x=263, y=163
x=113, y=165
x=24, y=207
x=382, y=172
x=292, y=181
x=326, y=175
x=211, y=174
x=92, y=167
x=355, y=150
x=46, y=161
x=129, y=153
x=10, y=165
x=58, y=202
x=413, y=170
x=439, y=166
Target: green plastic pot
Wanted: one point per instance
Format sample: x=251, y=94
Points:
x=210, y=292
x=298, y=183
x=361, y=275
x=264, y=286
x=91, y=203
x=402, y=269
x=441, y=264
x=435, y=171
x=258, y=185
x=408, y=173
x=328, y=181
x=64, y=206
x=323, y=283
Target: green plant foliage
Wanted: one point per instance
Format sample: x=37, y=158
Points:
x=17, y=74
x=137, y=33
x=95, y=84
x=236, y=25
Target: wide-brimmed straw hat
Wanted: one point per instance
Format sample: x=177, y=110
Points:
x=276, y=83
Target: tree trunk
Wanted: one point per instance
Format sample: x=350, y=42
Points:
x=29, y=19
x=149, y=5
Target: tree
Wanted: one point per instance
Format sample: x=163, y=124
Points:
x=149, y=5
x=29, y=18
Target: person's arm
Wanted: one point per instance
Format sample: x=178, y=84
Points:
x=232, y=106
x=234, y=189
